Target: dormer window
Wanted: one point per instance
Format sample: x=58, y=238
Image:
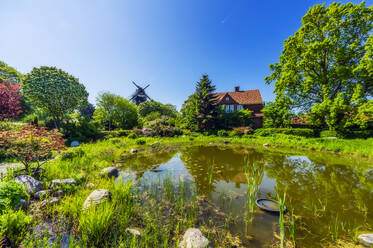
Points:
x=227, y=98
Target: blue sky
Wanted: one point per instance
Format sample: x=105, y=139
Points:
x=169, y=44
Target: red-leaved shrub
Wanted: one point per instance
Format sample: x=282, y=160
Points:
x=10, y=105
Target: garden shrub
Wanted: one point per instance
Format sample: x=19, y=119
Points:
x=82, y=131
x=140, y=142
x=30, y=144
x=304, y=132
x=132, y=136
x=348, y=134
x=160, y=127
x=239, y=131
x=328, y=133
x=223, y=133
x=13, y=227
x=11, y=193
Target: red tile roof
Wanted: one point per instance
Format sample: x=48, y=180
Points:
x=242, y=97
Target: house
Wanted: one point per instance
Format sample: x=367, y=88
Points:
x=243, y=99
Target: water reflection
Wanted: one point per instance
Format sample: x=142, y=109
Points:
x=330, y=196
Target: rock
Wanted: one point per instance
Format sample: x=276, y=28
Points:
x=74, y=143
x=155, y=144
x=50, y=201
x=90, y=185
x=133, y=151
x=22, y=204
x=226, y=142
x=134, y=230
x=32, y=185
x=58, y=193
x=96, y=197
x=61, y=182
x=110, y=172
x=265, y=144
x=193, y=238
x=42, y=194
x=366, y=239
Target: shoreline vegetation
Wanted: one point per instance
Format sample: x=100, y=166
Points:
x=161, y=213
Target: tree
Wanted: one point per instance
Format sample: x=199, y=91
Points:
x=188, y=114
x=87, y=111
x=55, y=91
x=150, y=107
x=201, y=107
x=10, y=105
x=277, y=114
x=328, y=57
x=115, y=110
x=9, y=73
x=241, y=118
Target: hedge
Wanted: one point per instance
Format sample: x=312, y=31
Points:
x=304, y=132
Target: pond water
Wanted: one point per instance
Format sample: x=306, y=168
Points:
x=330, y=197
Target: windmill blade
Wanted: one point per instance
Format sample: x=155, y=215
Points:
x=133, y=97
x=136, y=85
x=147, y=96
x=147, y=86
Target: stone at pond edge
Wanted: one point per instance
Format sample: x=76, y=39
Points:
x=42, y=194
x=96, y=197
x=133, y=151
x=50, y=201
x=110, y=172
x=61, y=182
x=366, y=239
x=32, y=185
x=134, y=231
x=265, y=144
x=193, y=238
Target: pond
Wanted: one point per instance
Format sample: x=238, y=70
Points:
x=327, y=196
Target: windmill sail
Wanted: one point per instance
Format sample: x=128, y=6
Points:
x=139, y=96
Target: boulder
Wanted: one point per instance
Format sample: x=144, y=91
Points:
x=226, y=141
x=61, y=182
x=96, y=197
x=193, y=238
x=32, y=185
x=366, y=239
x=110, y=172
x=133, y=151
x=134, y=231
x=265, y=144
x=42, y=194
x=50, y=201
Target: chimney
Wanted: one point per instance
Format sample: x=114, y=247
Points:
x=237, y=88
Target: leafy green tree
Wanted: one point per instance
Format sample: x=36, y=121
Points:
x=201, y=108
x=188, y=111
x=55, y=91
x=277, y=114
x=114, y=110
x=9, y=73
x=323, y=63
x=233, y=119
x=150, y=107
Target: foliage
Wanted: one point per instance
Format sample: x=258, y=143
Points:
x=160, y=127
x=113, y=110
x=82, y=131
x=13, y=226
x=87, y=111
x=140, y=142
x=151, y=107
x=133, y=136
x=201, y=109
x=318, y=61
x=239, y=131
x=55, y=91
x=305, y=132
x=72, y=153
x=11, y=193
x=10, y=105
x=30, y=144
x=188, y=114
x=277, y=114
x=223, y=133
x=9, y=73
x=364, y=116
x=234, y=119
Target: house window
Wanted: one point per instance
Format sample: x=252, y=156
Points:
x=227, y=98
x=239, y=107
x=226, y=108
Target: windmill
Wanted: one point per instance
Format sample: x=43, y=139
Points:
x=140, y=96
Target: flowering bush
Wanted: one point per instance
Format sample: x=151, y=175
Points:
x=30, y=144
